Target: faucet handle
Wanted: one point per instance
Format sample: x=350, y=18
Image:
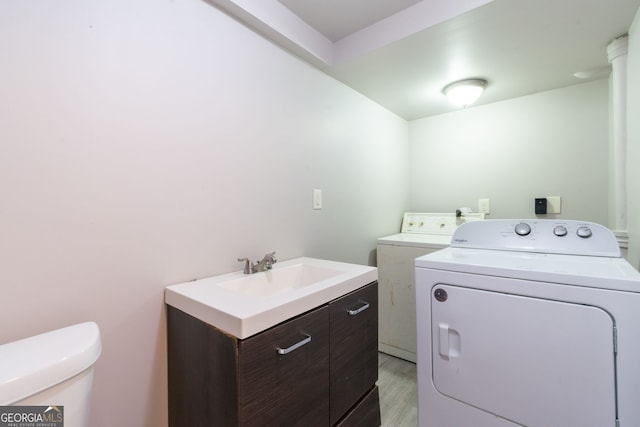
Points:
x=247, y=265
x=271, y=259
x=266, y=263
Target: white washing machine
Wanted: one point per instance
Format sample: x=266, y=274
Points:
x=421, y=233
x=528, y=323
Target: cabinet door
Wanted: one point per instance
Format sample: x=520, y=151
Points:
x=284, y=373
x=354, y=345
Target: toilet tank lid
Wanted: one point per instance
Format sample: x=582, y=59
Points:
x=33, y=364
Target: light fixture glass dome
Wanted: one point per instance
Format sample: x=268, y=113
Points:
x=465, y=92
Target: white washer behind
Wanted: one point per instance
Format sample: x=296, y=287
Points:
x=421, y=233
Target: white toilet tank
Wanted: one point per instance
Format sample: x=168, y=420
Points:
x=53, y=369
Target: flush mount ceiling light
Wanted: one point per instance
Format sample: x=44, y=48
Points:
x=464, y=92
x=594, y=73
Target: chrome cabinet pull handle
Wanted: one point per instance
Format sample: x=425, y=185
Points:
x=358, y=310
x=296, y=346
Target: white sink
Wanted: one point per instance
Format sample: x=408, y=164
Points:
x=246, y=304
x=277, y=280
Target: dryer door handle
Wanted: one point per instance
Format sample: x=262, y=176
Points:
x=449, y=341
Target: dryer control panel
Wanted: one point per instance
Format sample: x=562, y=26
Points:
x=543, y=236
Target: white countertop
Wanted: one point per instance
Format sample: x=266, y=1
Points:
x=242, y=315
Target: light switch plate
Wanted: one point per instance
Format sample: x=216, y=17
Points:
x=317, y=199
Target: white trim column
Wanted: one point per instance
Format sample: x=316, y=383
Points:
x=617, y=53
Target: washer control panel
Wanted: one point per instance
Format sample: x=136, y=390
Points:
x=543, y=236
x=435, y=223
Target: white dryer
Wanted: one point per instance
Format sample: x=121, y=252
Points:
x=421, y=233
x=528, y=323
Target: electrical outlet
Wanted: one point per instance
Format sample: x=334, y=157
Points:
x=554, y=203
x=484, y=206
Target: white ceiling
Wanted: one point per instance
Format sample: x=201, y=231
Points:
x=400, y=53
x=337, y=19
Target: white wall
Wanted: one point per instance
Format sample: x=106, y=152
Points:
x=633, y=142
x=146, y=143
x=548, y=144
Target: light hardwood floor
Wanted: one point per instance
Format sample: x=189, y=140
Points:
x=397, y=383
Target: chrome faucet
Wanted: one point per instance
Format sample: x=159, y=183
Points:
x=263, y=265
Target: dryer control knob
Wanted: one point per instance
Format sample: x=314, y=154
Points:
x=560, y=230
x=523, y=229
x=584, y=232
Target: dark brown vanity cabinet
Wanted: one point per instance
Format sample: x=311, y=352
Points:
x=317, y=369
x=354, y=349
